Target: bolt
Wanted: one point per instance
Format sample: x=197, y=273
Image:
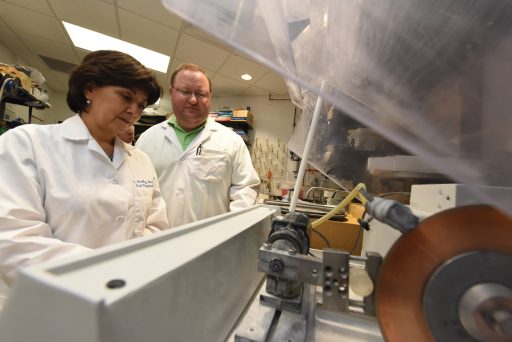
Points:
x=342, y=288
x=503, y=322
x=267, y=245
x=116, y=283
x=292, y=251
x=276, y=265
x=314, y=272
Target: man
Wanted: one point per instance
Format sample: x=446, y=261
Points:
x=128, y=135
x=204, y=168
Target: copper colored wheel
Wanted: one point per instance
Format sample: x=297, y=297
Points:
x=415, y=257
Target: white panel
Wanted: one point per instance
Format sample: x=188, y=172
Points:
x=152, y=10
x=23, y=20
x=196, y=51
x=433, y=198
x=137, y=30
x=92, y=14
x=190, y=283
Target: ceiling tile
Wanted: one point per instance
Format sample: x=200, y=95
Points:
x=56, y=82
x=24, y=20
x=35, y=5
x=61, y=76
x=254, y=91
x=196, y=51
x=64, y=52
x=175, y=63
x=36, y=62
x=81, y=53
x=136, y=29
x=153, y=10
x=274, y=83
x=94, y=15
x=31, y=27
x=9, y=38
x=204, y=36
x=223, y=86
x=236, y=65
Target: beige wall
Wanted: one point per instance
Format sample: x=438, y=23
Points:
x=272, y=118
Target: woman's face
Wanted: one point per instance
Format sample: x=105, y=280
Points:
x=114, y=108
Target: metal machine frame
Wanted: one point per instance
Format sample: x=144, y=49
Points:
x=186, y=284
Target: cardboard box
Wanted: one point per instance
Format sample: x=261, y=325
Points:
x=341, y=235
x=242, y=113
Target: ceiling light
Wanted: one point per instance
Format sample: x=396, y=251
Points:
x=246, y=77
x=93, y=41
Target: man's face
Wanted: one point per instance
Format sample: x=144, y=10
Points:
x=191, y=99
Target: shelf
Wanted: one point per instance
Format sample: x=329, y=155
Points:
x=150, y=120
x=237, y=124
x=25, y=99
x=243, y=125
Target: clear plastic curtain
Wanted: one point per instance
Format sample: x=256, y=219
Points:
x=432, y=76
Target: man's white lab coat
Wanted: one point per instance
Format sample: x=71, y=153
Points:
x=213, y=175
x=61, y=195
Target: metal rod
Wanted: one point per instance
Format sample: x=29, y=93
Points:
x=307, y=148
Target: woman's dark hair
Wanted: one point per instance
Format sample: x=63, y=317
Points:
x=103, y=68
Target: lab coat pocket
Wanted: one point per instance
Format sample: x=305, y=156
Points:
x=143, y=198
x=209, y=168
x=143, y=201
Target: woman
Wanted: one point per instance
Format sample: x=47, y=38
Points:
x=72, y=187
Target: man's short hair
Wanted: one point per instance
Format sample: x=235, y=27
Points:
x=191, y=67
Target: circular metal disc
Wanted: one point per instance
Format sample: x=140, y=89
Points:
x=411, y=261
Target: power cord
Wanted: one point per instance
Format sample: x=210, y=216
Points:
x=362, y=225
x=322, y=236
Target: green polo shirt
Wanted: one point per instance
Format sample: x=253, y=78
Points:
x=184, y=137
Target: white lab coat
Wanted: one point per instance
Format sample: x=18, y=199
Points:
x=61, y=195
x=197, y=185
